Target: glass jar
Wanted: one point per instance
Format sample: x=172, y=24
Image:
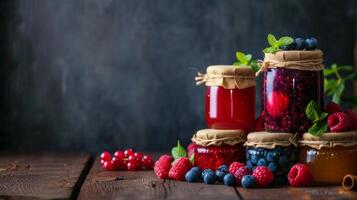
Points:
x=274, y=150
x=230, y=97
x=217, y=147
x=330, y=160
x=290, y=87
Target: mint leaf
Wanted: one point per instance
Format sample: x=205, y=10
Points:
x=247, y=58
x=178, y=151
x=323, y=116
x=336, y=97
x=240, y=57
x=236, y=63
x=283, y=41
x=270, y=50
x=318, y=128
x=271, y=39
x=312, y=111
x=254, y=65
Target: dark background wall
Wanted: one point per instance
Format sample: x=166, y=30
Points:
x=104, y=74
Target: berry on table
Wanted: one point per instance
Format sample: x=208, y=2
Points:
x=117, y=163
x=163, y=166
x=277, y=104
x=206, y=171
x=180, y=168
x=352, y=116
x=264, y=177
x=338, y=122
x=240, y=173
x=300, y=176
x=248, y=181
x=196, y=169
x=332, y=108
x=310, y=43
x=119, y=154
x=105, y=156
x=209, y=178
x=229, y=180
x=128, y=152
x=138, y=155
x=299, y=43
x=220, y=175
x=234, y=167
x=132, y=165
x=193, y=175
x=223, y=168
x=108, y=165
x=148, y=162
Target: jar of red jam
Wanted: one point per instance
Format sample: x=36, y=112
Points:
x=217, y=147
x=277, y=151
x=230, y=97
x=291, y=80
x=330, y=157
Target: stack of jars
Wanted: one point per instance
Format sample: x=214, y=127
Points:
x=291, y=80
x=230, y=115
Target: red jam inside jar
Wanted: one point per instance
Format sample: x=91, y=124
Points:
x=211, y=157
x=230, y=108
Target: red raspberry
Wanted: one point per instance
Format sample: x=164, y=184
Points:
x=259, y=124
x=277, y=104
x=240, y=173
x=163, y=166
x=263, y=176
x=338, y=122
x=179, y=169
x=332, y=108
x=300, y=176
x=352, y=116
x=234, y=167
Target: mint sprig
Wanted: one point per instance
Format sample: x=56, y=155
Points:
x=317, y=117
x=178, y=151
x=276, y=44
x=246, y=60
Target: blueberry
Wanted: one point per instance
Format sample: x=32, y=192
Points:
x=288, y=47
x=209, y=178
x=223, y=168
x=299, y=43
x=262, y=162
x=310, y=43
x=229, y=180
x=196, y=169
x=248, y=181
x=192, y=176
x=273, y=166
x=206, y=171
x=220, y=175
x=283, y=161
x=249, y=165
x=271, y=156
x=254, y=158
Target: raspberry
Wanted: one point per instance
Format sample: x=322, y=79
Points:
x=352, y=116
x=163, y=166
x=338, y=122
x=180, y=168
x=240, y=173
x=277, y=104
x=332, y=108
x=264, y=177
x=234, y=167
x=259, y=124
x=300, y=176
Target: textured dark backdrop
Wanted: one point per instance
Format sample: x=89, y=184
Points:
x=104, y=74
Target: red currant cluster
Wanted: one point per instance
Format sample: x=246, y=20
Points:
x=127, y=160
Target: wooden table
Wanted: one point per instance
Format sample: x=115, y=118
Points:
x=72, y=176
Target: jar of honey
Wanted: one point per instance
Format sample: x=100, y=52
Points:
x=230, y=97
x=218, y=147
x=330, y=157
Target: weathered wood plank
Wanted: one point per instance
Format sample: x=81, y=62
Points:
x=41, y=175
x=101, y=184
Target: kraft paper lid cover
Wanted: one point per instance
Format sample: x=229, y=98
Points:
x=330, y=140
x=215, y=137
x=269, y=140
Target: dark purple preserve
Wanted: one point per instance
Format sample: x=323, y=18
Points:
x=286, y=93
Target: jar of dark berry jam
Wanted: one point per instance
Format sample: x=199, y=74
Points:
x=230, y=97
x=278, y=151
x=217, y=147
x=330, y=157
x=291, y=80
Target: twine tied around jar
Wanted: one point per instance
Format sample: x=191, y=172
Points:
x=330, y=140
x=300, y=60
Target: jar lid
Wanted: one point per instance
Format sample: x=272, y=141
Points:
x=270, y=140
x=227, y=76
x=330, y=140
x=300, y=60
x=215, y=137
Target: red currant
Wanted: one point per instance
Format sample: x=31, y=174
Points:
x=148, y=162
x=132, y=165
x=105, y=156
x=117, y=163
x=108, y=165
x=128, y=152
x=138, y=155
x=132, y=157
x=119, y=154
x=102, y=162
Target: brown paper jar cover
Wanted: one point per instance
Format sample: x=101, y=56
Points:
x=330, y=140
x=270, y=140
x=215, y=137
